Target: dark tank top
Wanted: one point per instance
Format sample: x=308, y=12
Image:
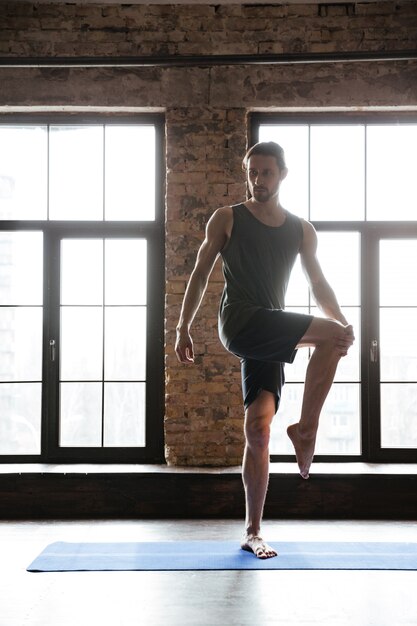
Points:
x=257, y=262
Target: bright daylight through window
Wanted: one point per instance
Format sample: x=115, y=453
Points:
x=355, y=181
x=79, y=215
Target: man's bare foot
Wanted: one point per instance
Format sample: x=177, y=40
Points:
x=304, y=449
x=255, y=544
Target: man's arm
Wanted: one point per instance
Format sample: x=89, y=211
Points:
x=322, y=292
x=217, y=233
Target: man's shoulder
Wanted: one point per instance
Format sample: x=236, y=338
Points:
x=225, y=209
x=223, y=214
x=221, y=222
x=308, y=227
x=296, y=218
x=309, y=241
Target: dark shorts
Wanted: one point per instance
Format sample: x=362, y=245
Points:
x=268, y=341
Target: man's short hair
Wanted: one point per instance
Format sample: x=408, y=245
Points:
x=266, y=148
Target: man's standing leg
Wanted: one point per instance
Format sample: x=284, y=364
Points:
x=255, y=470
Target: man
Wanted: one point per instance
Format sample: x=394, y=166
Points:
x=259, y=241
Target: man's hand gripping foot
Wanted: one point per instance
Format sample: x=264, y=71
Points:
x=255, y=544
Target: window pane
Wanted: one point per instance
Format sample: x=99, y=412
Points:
x=339, y=256
x=297, y=291
x=124, y=414
x=20, y=418
x=23, y=172
x=130, y=173
x=339, y=430
x=294, y=141
x=391, y=188
x=399, y=416
x=21, y=267
x=76, y=173
x=337, y=172
x=289, y=412
x=398, y=350
x=21, y=343
x=80, y=410
x=125, y=343
x=398, y=262
x=81, y=343
x=126, y=267
x=82, y=271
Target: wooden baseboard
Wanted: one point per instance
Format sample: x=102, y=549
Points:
x=192, y=495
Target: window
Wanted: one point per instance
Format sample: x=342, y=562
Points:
x=353, y=178
x=81, y=289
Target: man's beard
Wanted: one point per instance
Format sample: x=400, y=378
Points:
x=261, y=195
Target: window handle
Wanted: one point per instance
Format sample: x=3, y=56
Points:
x=374, y=351
x=52, y=349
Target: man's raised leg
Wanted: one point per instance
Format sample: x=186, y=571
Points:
x=331, y=340
x=255, y=471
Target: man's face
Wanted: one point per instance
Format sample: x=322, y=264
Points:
x=264, y=177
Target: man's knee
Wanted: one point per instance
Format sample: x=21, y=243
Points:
x=329, y=344
x=258, y=432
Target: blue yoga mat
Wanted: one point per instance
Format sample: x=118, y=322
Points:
x=223, y=555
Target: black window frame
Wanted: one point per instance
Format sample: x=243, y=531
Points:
x=371, y=232
x=53, y=232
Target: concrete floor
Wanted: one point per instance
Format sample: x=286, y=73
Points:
x=225, y=598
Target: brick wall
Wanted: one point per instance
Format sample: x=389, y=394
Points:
x=203, y=419
x=94, y=29
x=206, y=136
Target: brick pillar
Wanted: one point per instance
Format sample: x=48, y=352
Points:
x=203, y=413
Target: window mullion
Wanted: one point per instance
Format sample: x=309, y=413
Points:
x=52, y=391
x=104, y=343
x=370, y=387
